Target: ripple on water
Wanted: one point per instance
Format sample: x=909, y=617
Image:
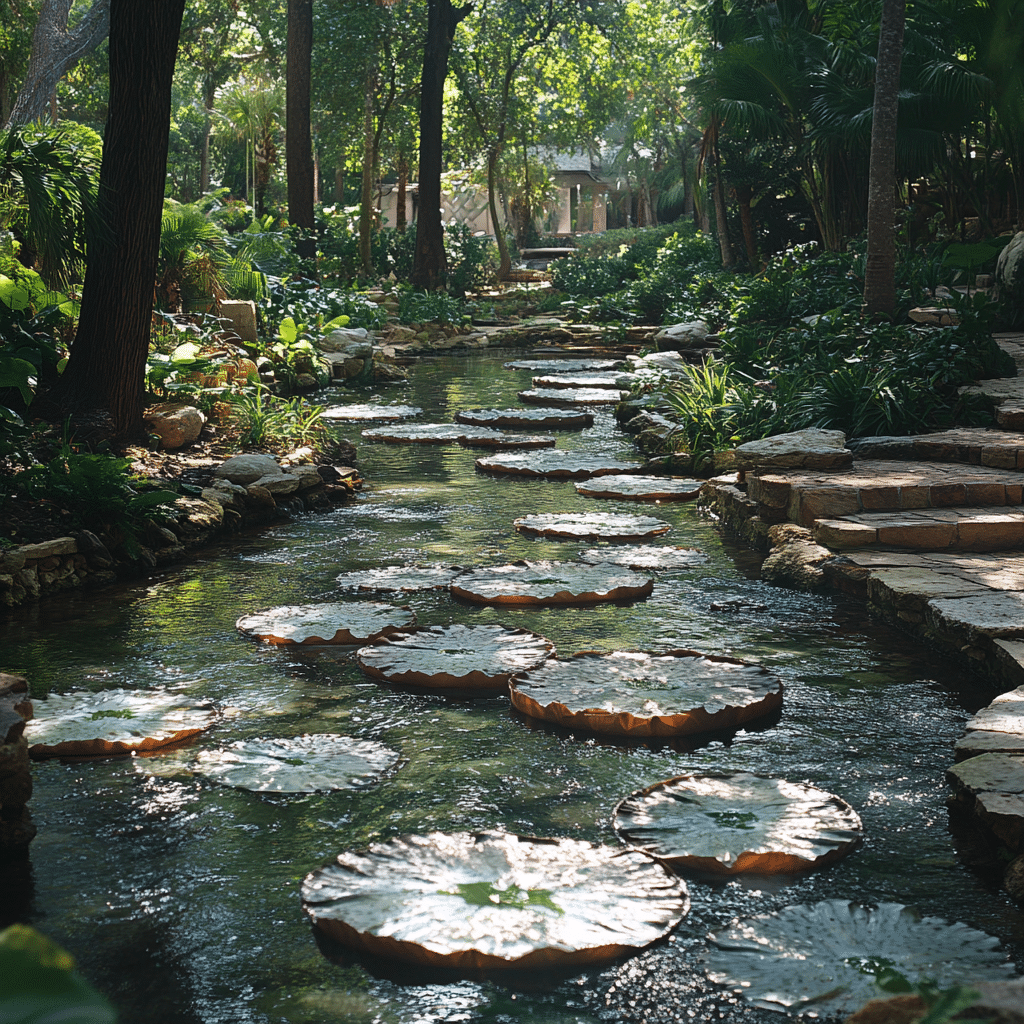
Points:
x=179, y=898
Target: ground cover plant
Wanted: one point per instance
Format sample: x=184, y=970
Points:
x=795, y=350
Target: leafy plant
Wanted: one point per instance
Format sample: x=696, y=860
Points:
x=429, y=308
x=263, y=418
x=98, y=490
x=942, y=1004
x=40, y=983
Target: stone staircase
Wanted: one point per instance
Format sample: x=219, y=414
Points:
x=930, y=529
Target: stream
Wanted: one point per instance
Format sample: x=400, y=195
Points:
x=179, y=898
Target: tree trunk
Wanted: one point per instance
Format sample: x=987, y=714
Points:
x=106, y=369
x=298, y=141
x=55, y=51
x=209, y=98
x=430, y=264
x=366, y=194
x=880, y=271
x=401, y=217
x=723, y=229
x=744, y=196
x=504, y=259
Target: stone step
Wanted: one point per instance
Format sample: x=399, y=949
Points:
x=975, y=446
x=940, y=529
x=804, y=496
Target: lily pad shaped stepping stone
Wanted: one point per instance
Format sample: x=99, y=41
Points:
x=86, y=724
x=401, y=578
x=639, y=695
x=384, y=413
x=592, y=525
x=494, y=902
x=727, y=824
x=463, y=657
x=562, y=365
x=572, y=396
x=425, y=433
x=592, y=380
x=565, y=419
x=305, y=764
x=642, y=488
x=822, y=959
x=543, y=583
x=508, y=442
x=555, y=464
x=645, y=556
x=340, y=623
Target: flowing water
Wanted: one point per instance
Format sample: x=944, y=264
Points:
x=179, y=898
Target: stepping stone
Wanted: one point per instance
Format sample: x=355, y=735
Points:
x=998, y=728
x=960, y=529
x=805, y=496
x=507, y=442
x=551, y=419
x=991, y=788
x=812, y=448
x=646, y=557
x=592, y=380
x=400, y=578
x=551, y=583
x=305, y=764
x=572, y=396
x=592, y=526
x=554, y=464
x=338, y=623
x=823, y=959
x=494, y=902
x=976, y=446
x=639, y=695
x=727, y=824
x=461, y=657
x=426, y=433
x=386, y=413
x=641, y=488
x=563, y=365
x=114, y=722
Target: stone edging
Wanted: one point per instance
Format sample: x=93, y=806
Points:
x=31, y=571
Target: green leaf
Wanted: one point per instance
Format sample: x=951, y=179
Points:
x=485, y=894
x=13, y=294
x=288, y=332
x=39, y=985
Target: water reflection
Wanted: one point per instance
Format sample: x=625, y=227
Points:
x=180, y=899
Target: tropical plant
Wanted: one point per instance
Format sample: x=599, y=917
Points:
x=262, y=418
x=48, y=196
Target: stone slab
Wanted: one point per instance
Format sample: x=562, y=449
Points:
x=976, y=528
x=996, y=614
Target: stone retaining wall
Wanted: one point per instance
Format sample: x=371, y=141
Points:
x=31, y=571
x=16, y=827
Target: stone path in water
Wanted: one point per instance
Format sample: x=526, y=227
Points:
x=930, y=529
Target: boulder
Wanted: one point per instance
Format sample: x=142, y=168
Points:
x=811, y=449
x=239, y=315
x=682, y=336
x=247, y=469
x=176, y=425
x=1009, y=284
x=354, y=343
x=308, y=476
x=259, y=497
x=279, y=483
x=795, y=560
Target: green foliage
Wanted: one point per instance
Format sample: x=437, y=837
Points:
x=429, y=308
x=306, y=302
x=98, y=490
x=48, y=194
x=943, y=1005
x=709, y=408
x=40, y=983
x=262, y=418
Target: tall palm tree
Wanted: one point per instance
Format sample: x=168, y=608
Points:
x=880, y=273
x=251, y=111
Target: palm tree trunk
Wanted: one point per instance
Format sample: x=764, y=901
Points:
x=880, y=272
x=366, y=195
